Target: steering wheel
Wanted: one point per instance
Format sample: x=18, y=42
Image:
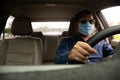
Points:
x=103, y=34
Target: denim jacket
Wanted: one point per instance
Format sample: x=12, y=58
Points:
x=103, y=50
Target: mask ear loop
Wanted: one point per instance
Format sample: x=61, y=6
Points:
x=95, y=31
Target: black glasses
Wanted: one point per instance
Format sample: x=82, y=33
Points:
x=91, y=21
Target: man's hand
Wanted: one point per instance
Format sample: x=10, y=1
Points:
x=80, y=52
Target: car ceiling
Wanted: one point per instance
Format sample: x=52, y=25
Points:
x=53, y=10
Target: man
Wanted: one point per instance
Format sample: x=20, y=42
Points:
x=74, y=49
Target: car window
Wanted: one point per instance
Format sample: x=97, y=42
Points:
x=50, y=28
x=47, y=28
x=112, y=16
x=7, y=32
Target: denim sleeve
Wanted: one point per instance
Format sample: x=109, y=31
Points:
x=62, y=53
x=107, y=49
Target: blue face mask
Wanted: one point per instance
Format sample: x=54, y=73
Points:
x=86, y=28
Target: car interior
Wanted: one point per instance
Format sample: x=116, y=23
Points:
x=30, y=55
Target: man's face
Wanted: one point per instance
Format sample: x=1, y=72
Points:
x=83, y=20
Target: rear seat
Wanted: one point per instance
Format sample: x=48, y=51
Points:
x=39, y=35
x=51, y=44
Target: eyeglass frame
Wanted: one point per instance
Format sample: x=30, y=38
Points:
x=83, y=21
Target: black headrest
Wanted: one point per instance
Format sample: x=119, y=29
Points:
x=22, y=26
